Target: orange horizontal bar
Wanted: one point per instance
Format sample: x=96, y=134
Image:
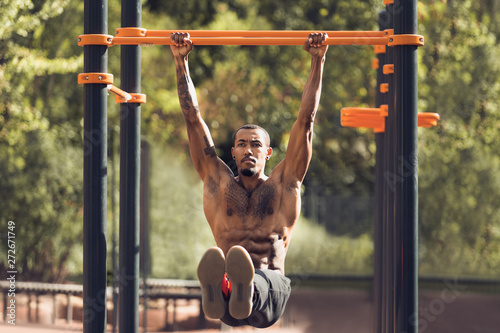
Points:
x=135, y=98
x=354, y=111
x=250, y=41
x=360, y=117
x=125, y=96
x=427, y=119
x=261, y=33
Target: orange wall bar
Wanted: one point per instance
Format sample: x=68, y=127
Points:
x=263, y=33
x=251, y=40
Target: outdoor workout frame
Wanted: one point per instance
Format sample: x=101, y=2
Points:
x=395, y=121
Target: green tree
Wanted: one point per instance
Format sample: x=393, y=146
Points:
x=39, y=153
x=459, y=168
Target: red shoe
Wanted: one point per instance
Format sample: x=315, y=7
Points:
x=240, y=270
x=211, y=271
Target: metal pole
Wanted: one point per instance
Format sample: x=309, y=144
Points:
x=94, y=172
x=406, y=190
x=379, y=195
x=144, y=213
x=130, y=145
x=389, y=179
x=114, y=246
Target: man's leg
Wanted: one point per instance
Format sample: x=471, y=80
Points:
x=271, y=292
x=211, y=271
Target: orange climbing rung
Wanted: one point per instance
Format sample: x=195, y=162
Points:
x=136, y=32
x=141, y=36
x=250, y=41
x=375, y=118
x=427, y=120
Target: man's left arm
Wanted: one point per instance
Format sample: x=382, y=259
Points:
x=299, y=150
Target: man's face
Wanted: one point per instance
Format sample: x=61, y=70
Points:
x=250, y=152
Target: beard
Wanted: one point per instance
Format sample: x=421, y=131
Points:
x=248, y=172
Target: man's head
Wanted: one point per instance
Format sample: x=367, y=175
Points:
x=251, y=149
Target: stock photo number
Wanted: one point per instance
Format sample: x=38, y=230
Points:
x=11, y=272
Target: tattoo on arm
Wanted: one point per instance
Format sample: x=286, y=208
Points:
x=210, y=150
x=187, y=100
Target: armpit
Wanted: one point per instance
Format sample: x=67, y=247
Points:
x=212, y=186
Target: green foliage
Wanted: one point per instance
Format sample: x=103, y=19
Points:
x=179, y=231
x=41, y=192
x=314, y=251
x=459, y=178
x=40, y=161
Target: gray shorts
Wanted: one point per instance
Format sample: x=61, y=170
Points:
x=271, y=293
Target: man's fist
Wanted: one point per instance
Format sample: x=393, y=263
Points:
x=314, y=44
x=181, y=44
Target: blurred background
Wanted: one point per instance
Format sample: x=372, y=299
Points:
x=41, y=137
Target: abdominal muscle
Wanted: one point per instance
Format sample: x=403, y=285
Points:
x=267, y=245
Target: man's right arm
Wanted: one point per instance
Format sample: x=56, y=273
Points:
x=201, y=145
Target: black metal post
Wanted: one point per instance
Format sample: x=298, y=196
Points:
x=144, y=213
x=114, y=245
x=389, y=179
x=95, y=172
x=379, y=195
x=130, y=145
x=406, y=189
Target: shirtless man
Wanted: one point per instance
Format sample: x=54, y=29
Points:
x=252, y=215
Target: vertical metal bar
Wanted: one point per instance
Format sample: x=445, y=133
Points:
x=388, y=237
x=406, y=190
x=114, y=245
x=144, y=213
x=379, y=195
x=95, y=172
x=130, y=145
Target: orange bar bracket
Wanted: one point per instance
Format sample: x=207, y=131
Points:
x=417, y=40
x=380, y=49
x=95, y=39
x=375, y=63
x=388, y=69
x=384, y=88
x=102, y=78
x=131, y=32
x=388, y=2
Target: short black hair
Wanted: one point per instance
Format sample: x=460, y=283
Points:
x=267, y=138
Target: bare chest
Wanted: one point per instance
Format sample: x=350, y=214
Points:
x=256, y=205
